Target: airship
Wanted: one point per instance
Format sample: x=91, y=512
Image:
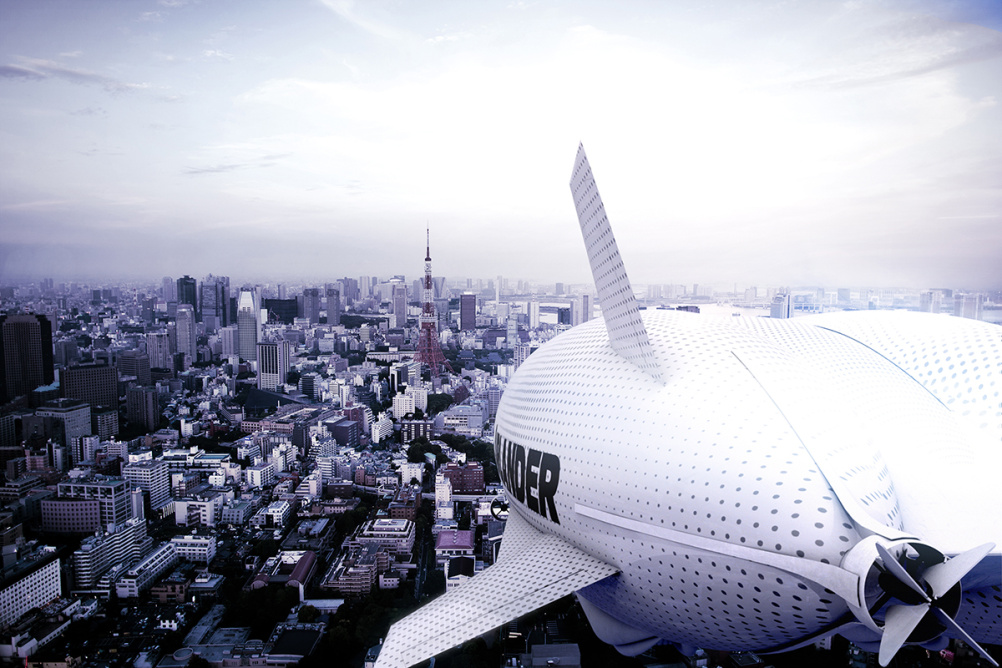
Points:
x=743, y=483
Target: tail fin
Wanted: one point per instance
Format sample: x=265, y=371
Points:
x=619, y=307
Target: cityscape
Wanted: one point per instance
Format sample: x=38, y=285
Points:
x=270, y=471
x=247, y=420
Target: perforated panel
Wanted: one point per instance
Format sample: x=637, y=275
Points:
x=622, y=315
x=718, y=451
x=534, y=569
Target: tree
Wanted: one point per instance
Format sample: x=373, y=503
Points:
x=292, y=378
x=308, y=614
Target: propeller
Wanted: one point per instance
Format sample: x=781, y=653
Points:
x=499, y=508
x=911, y=620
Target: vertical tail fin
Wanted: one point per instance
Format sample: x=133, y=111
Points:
x=619, y=307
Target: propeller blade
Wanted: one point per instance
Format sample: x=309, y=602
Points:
x=968, y=640
x=899, y=623
x=942, y=577
x=900, y=573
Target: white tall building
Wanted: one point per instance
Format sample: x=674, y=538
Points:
x=229, y=340
x=158, y=349
x=186, y=333
x=272, y=364
x=247, y=325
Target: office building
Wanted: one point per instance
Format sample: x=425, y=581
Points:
x=74, y=516
x=467, y=312
x=214, y=303
x=247, y=325
x=142, y=406
x=311, y=305
x=333, y=306
x=121, y=543
x=96, y=383
x=272, y=364
x=135, y=363
x=112, y=495
x=782, y=306
x=25, y=354
x=31, y=583
x=281, y=310
x=141, y=576
x=199, y=549
x=74, y=414
x=185, y=324
x=158, y=350
x=187, y=292
x=399, y=303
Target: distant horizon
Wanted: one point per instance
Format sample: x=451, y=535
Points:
x=806, y=143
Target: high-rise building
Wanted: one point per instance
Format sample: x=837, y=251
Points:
x=186, y=333
x=311, y=305
x=272, y=364
x=25, y=354
x=169, y=289
x=214, y=301
x=782, y=306
x=142, y=406
x=153, y=477
x=399, y=301
x=467, y=311
x=123, y=543
x=137, y=364
x=74, y=413
x=112, y=495
x=968, y=306
x=533, y=314
x=34, y=585
x=333, y=306
x=228, y=339
x=187, y=292
x=247, y=325
x=585, y=308
x=96, y=383
x=158, y=349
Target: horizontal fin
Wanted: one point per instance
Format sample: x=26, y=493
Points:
x=619, y=307
x=533, y=569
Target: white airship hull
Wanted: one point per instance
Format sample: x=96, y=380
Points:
x=686, y=486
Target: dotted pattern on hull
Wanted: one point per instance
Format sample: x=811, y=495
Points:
x=534, y=569
x=622, y=315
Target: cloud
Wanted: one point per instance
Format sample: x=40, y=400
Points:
x=269, y=160
x=215, y=53
x=346, y=10
x=38, y=69
x=154, y=17
x=90, y=111
x=71, y=54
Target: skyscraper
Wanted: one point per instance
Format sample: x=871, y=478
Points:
x=158, y=349
x=186, y=333
x=400, y=304
x=135, y=363
x=95, y=383
x=311, y=305
x=187, y=292
x=333, y=306
x=25, y=354
x=272, y=364
x=214, y=301
x=169, y=289
x=142, y=407
x=467, y=311
x=247, y=325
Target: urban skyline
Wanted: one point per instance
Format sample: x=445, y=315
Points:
x=852, y=143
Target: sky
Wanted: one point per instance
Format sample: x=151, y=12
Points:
x=758, y=143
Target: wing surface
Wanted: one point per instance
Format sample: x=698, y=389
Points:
x=619, y=307
x=532, y=570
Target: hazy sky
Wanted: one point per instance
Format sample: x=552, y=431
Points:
x=853, y=143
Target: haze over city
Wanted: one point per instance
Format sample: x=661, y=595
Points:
x=760, y=143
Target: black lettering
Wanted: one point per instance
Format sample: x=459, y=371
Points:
x=549, y=476
x=532, y=480
x=518, y=472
